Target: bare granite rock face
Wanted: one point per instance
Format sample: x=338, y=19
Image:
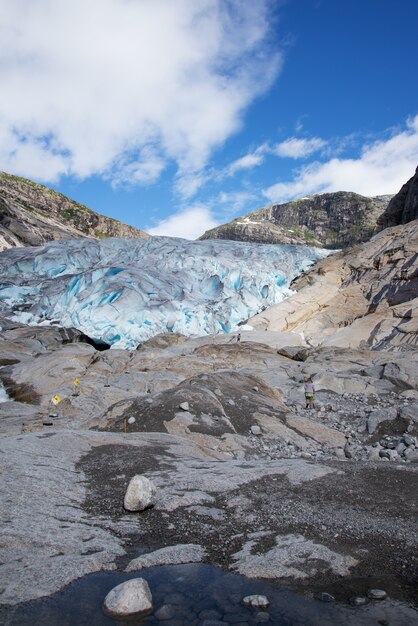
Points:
x=333, y=220
x=403, y=207
x=366, y=295
x=32, y=215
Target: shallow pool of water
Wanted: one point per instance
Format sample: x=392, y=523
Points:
x=198, y=595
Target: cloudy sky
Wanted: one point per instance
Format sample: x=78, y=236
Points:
x=177, y=115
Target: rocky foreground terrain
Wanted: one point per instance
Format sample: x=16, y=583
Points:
x=32, y=215
x=246, y=478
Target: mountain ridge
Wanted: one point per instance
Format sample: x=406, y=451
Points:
x=333, y=220
x=32, y=214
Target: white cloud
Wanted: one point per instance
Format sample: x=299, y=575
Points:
x=189, y=183
x=31, y=156
x=250, y=160
x=188, y=223
x=382, y=168
x=293, y=147
x=120, y=88
x=238, y=200
x=296, y=148
x=143, y=167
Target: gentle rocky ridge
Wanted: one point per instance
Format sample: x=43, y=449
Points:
x=32, y=215
x=333, y=220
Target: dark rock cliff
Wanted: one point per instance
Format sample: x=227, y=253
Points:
x=334, y=220
x=403, y=207
x=31, y=215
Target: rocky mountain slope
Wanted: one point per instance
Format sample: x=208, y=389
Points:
x=403, y=207
x=333, y=220
x=366, y=295
x=32, y=215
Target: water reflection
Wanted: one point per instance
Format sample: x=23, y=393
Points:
x=200, y=595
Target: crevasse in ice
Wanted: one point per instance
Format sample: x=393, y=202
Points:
x=124, y=291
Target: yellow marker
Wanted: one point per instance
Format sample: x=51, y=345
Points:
x=56, y=400
x=75, y=387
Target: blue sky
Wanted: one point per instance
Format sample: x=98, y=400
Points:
x=177, y=115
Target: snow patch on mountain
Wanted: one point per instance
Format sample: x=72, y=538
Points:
x=124, y=291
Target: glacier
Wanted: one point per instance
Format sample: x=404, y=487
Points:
x=124, y=291
x=3, y=394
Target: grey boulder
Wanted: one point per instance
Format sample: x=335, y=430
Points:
x=140, y=494
x=131, y=598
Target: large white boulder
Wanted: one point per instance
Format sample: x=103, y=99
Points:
x=140, y=494
x=128, y=599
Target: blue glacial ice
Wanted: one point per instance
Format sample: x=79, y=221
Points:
x=3, y=394
x=124, y=291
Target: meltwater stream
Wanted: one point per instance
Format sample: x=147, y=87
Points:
x=124, y=291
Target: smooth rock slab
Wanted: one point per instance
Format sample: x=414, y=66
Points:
x=319, y=432
x=170, y=555
x=43, y=548
x=140, y=494
x=132, y=598
x=293, y=555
